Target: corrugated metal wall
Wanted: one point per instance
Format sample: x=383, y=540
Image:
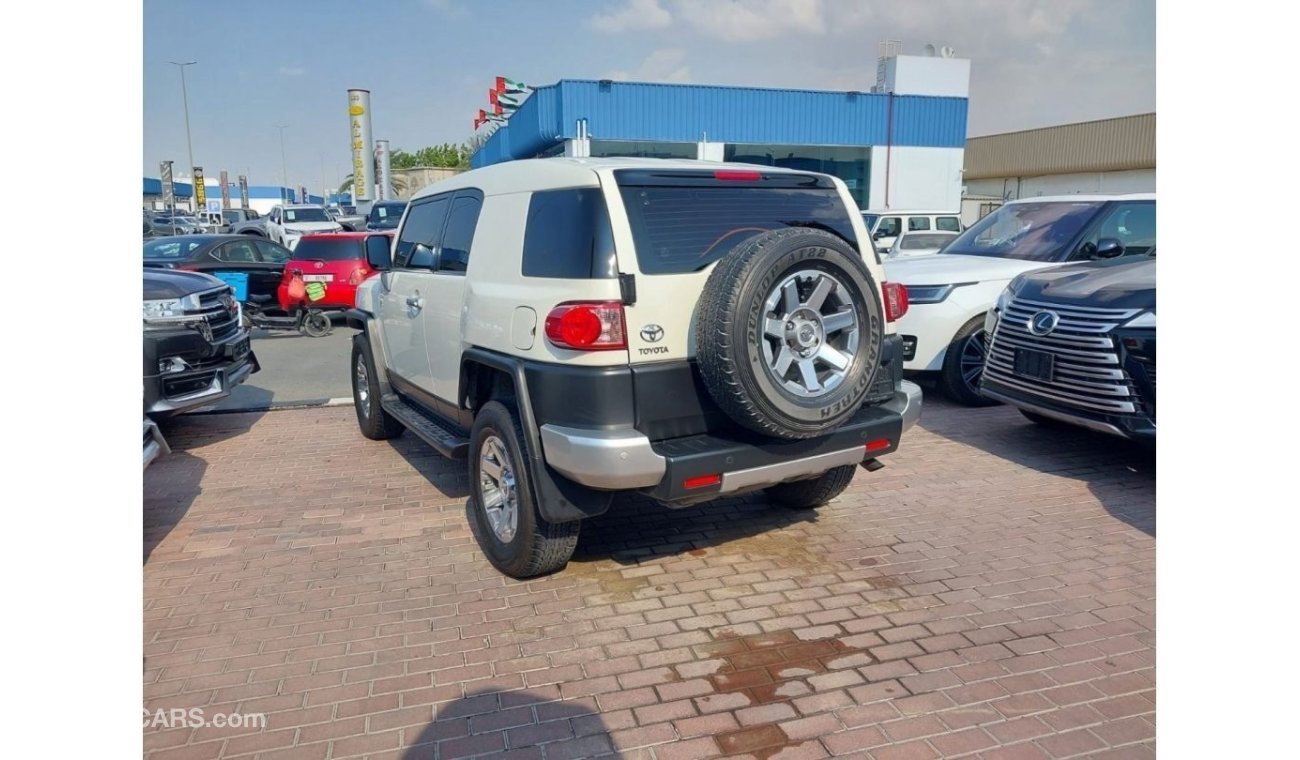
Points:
x=686, y=113
x=1128, y=142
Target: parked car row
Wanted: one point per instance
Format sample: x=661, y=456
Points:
x=1047, y=304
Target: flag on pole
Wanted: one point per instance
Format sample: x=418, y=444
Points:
x=480, y=119
x=510, y=85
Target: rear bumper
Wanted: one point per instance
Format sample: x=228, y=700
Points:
x=154, y=443
x=625, y=459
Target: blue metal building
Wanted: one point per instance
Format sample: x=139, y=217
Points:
x=867, y=139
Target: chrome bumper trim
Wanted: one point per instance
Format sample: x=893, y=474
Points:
x=907, y=402
x=606, y=459
x=779, y=473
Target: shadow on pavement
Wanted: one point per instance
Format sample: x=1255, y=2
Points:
x=174, y=481
x=1121, y=474
x=478, y=723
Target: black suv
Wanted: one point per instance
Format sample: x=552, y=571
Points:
x=195, y=349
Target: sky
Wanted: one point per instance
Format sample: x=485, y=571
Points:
x=429, y=63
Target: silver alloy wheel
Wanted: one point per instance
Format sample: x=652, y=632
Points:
x=496, y=489
x=973, y=351
x=363, y=385
x=810, y=333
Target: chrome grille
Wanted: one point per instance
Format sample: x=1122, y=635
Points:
x=214, y=306
x=1087, y=371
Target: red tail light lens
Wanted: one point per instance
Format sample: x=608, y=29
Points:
x=701, y=481
x=359, y=276
x=895, y=301
x=587, y=326
x=737, y=175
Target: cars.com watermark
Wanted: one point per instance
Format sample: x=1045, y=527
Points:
x=179, y=717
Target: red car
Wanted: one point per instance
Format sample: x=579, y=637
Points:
x=331, y=266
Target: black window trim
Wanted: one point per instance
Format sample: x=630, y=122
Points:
x=466, y=192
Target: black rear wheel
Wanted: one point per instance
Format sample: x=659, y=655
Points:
x=814, y=492
x=963, y=365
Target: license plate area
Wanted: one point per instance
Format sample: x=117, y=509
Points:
x=239, y=350
x=318, y=278
x=1035, y=365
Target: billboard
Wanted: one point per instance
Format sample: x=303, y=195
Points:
x=363, y=165
x=385, y=167
x=200, y=192
x=168, y=190
x=225, y=189
x=243, y=191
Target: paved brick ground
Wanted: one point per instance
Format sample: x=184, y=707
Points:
x=990, y=593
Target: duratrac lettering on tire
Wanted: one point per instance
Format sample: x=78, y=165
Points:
x=789, y=333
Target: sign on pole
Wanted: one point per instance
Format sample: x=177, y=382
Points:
x=225, y=189
x=168, y=191
x=363, y=165
x=302, y=194
x=214, y=206
x=200, y=192
x=385, y=167
x=243, y=191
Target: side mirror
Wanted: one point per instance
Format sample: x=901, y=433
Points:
x=379, y=255
x=1108, y=248
x=877, y=235
x=424, y=257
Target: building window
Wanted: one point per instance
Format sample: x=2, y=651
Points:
x=642, y=149
x=849, y=163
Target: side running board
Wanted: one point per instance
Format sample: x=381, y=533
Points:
x=432, y=432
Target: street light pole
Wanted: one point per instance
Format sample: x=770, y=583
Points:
x=284, y=167
x=185, y=99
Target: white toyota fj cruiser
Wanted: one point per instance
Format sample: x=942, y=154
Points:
x=580, y=327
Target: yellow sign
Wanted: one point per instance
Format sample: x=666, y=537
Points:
x=356, y=110
x=200, y=192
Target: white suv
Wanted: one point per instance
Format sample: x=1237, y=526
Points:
x=287, y=224
x=580, y=327
x=886, y=225
x=950, y=292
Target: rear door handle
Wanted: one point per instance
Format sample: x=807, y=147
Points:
x=415, y=302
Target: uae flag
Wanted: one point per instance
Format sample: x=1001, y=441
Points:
x=481, y=119
x=510, y=85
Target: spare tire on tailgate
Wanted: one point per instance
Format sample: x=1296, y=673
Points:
x=789, y=333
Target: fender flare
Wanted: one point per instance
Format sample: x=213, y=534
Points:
x=368, y=330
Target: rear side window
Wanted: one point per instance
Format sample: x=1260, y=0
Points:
x=685, y=229
x=915, y=223
x=459, y=236
x=568, y=235
x=948, y=224
x=328, y=249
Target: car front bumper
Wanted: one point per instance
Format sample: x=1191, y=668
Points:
x=625, y=459
x=154, y=443
x=215, y=369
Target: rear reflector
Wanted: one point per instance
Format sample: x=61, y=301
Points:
x=895, y=301
x=737, y=175
x=702, y=481
x=587, y=326
x=877, y=445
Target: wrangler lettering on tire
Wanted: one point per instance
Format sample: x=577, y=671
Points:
x=789, y=333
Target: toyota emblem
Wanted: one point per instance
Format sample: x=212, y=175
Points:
x=320, y=265
x=652, y=333
x=1043, y=323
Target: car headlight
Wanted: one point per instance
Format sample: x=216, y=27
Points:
x=922, y=294
x=1004, y=298
x=1145, y=319
x=163, y=308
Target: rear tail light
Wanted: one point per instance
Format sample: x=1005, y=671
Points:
x=359, y=276
x=895, y=301
x=587, y=326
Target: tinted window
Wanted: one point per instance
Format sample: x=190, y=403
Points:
x=918, y=223
x=329, y=249
x=684, y=229
x=459, y=235
x=870, y=220
x=948, y=224
x=238, y=252
x=169, y=249
x=1029, y=231
x=386, y=215
x=424, y=226
x=923, y=240
x=568, y=235
x=272, y=253
x=890, y=226
x=1133, y=224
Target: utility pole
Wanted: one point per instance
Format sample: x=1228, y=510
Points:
x=284, y=167
x=185, y=99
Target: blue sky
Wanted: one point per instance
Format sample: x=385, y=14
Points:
x=429, y=63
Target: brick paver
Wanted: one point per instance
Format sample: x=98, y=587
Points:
x=990, y=593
